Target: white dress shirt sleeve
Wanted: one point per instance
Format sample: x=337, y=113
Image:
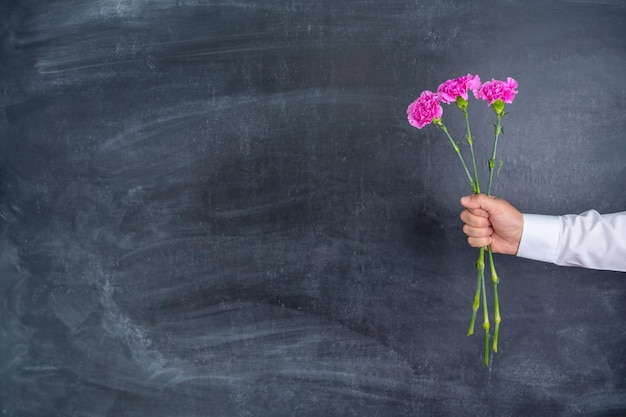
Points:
x=588, y=240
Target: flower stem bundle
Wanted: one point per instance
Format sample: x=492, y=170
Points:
x=427, y=109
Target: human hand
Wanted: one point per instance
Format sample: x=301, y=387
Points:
x=492, y=221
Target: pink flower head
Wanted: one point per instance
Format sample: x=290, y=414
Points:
x=458, y=87
x=498, y=90
x=424, y=110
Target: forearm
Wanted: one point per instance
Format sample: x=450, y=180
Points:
x=587, y=240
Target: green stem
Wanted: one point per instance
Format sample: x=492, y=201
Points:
x=494, y=275
x=480, y=267
x=492, y=161
x=480, y=263
x=497, y=318
x=485, y=321
x=458, y=152
x=470, y=142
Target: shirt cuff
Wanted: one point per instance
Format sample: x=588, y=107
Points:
x=540, y=238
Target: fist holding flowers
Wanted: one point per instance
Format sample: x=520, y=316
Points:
x=427, y=109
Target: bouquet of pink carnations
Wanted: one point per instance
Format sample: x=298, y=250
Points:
x=427, y=109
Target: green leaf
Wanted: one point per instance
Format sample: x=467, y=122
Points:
x=499, y=167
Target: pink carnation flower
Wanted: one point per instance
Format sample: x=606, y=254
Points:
x=424, y=110
x=458, y=87
x=498, y=90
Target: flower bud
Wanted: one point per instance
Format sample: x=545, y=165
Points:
x=498, y=107
x=461, y=103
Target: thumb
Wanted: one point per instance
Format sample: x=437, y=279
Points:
x=481, y=201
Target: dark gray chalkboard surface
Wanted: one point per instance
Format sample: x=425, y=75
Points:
x=218, y=208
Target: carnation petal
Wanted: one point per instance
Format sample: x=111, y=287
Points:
x=424, y=109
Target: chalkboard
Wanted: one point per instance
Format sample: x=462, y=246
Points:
x=218, y=208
